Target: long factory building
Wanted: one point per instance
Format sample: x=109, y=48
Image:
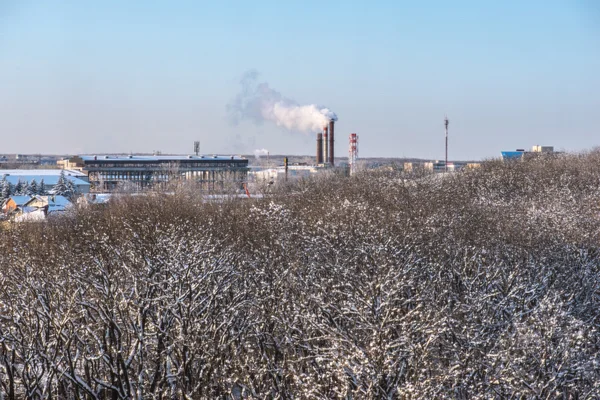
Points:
x=213, y=173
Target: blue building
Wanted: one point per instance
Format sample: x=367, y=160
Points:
x=513, y=155
x=48, y=176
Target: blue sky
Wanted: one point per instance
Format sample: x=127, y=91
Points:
x=120, y=76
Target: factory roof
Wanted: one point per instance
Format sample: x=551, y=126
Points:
x=161, y=158
x=49, y=180
x=39, y=172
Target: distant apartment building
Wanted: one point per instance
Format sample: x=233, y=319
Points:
x=542, y=149
x=72, y=164
x=520, y=154
x=439, y=166
x=213, y=173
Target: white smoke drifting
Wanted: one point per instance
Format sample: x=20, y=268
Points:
x=258, y=102
x=260, y=152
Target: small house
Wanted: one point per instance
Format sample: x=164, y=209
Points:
x=14, y=203
x=50, y=203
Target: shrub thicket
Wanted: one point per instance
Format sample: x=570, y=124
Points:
x=480, y=284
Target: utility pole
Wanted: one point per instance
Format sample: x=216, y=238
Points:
x=353, y=153
x=446, y=122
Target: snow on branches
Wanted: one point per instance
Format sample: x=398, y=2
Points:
x=483, y=284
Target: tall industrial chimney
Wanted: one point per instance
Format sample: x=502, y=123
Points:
x=331, y=142
x=325, y=145
x=319, y=148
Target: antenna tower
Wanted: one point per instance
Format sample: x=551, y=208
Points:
x=197, y=147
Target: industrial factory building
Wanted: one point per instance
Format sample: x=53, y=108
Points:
x=261, y=176
x=210, y=172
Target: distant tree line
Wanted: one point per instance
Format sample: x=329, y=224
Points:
x=476, y=285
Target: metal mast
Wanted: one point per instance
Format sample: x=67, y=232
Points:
x=446, y=122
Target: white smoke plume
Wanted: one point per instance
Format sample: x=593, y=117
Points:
x=258, y=102
x=260, y=152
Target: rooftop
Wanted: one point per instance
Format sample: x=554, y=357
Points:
x=39, y=172
x=161, y=158
x=20, y=200
x=513, y=154
x=54, y=201
x=48, y=179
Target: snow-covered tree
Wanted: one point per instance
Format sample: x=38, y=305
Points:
x=18, y=189
x=5, y=189
x=70, y=187
x=32, y=188
x=25, y=188
x=385, y=285
x=63, y=187
x=42, y=188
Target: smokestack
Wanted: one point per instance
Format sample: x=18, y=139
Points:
x=331, y=155
x=319, y=148
x=285, y=165
x=325, y=145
